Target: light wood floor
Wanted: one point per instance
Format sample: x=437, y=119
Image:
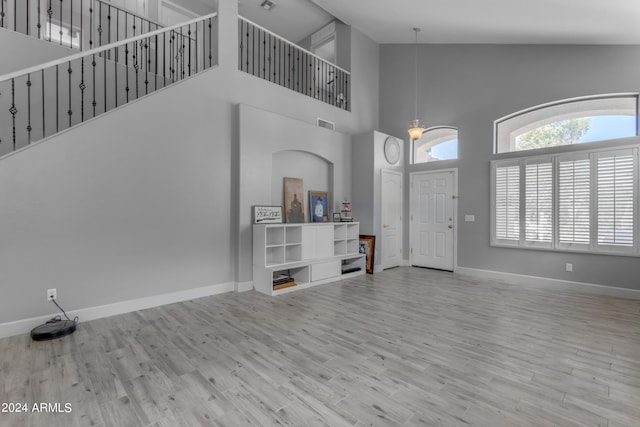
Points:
x=405, y=347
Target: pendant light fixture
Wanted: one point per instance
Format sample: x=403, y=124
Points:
x=416, y=130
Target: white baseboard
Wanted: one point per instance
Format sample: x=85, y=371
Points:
x=244, y=286
x=85, y=314
x=543, y=282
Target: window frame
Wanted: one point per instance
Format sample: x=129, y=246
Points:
x=499, y=134
x=589, y=153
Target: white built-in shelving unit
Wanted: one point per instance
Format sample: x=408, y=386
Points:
x=312, y=254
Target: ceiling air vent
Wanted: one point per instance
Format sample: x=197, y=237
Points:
x=326, y=124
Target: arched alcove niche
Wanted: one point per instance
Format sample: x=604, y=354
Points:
x=315, y=171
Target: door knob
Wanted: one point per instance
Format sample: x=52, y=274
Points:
x=386, y=225
x=450, y=226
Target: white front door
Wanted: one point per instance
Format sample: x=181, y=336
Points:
x=391, y=198
x=433, y=219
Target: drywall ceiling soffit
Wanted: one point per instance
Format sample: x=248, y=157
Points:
x=292, y=19
x=492, y=21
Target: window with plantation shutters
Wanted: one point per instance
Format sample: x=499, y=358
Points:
x=507, y=202
x=615, y=204
x=583, y=201
x=574, y=201
x=538, y=224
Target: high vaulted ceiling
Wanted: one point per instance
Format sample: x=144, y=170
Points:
x=492, y=21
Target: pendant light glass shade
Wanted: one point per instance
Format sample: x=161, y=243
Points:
x=416, y=130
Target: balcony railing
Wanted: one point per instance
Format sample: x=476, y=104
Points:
x=77, y=24
x=266, y=55
x=43, y=100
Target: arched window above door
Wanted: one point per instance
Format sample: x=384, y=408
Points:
x=436, y=143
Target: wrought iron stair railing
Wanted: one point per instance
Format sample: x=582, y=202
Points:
x=77, y=24
x=264, y=54
x=40, y=101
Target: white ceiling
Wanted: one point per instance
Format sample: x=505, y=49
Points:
x=491, y=21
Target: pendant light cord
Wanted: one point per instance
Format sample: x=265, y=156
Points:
x=415, y=63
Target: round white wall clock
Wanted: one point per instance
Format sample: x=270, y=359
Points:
x=392, y=150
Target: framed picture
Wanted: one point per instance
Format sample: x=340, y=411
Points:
x=267, y=214
x=336, y=217
x=293, y=201
x=368, y=247
x=318, y=201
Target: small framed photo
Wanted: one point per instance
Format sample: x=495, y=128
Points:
x=267, y=214
x=368, y=247
x=318, y=202
x=336, y=217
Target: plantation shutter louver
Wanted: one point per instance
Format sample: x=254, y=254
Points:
x=507, y=202
x=615, y=199
x=538, y=225
x=574, y=201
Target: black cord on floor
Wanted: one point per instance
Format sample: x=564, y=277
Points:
x=75, y=319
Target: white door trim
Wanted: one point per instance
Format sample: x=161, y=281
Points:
x=400, y=233
x=412, y=176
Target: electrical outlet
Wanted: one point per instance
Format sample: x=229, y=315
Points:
x=52, y=294
x=569, y=267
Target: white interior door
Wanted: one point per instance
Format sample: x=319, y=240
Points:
x=391, y=188
x=432, y=219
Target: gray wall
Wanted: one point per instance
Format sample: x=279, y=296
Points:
x=20, y=51
x=144, y=200
x=368, y=163
x=470, y=86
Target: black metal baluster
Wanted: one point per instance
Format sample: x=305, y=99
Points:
x=43, y=105
x=70, y=111
x=50, y=14
x=249, y=48
x=109, y=28
x=57, y=99
x=100, y=29
x=155, y=71
x=1, y=13
x=264, y=55
x=15, y=25
x=126, y=70
x=93, y=66
x=346, y=92
x=171, y=58
x=240, y=33
x=115, y=69
x=254, y=49
x=136, y=66
x=27, y=17
x=210, y=48
x=82, y=88
x=196, y=48
x=91, y=26
x=181, y=52
x=13, y=110
x=269, y=59
x=104, y=81
x=39, y=23
x=164, y=59
x=189, y=60
x=288, y=58
x=29, y=128
x=146, y=68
